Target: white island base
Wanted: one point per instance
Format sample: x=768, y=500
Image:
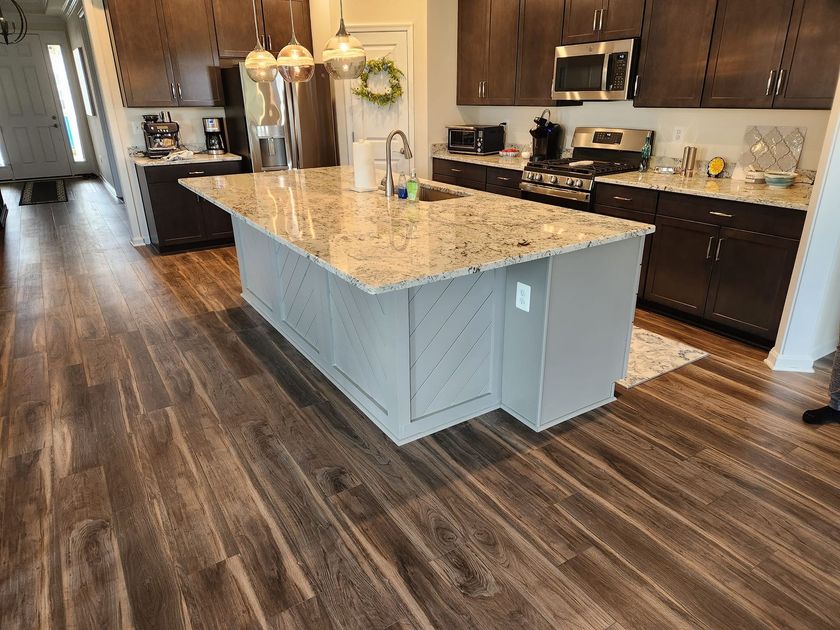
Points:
x=420, y=359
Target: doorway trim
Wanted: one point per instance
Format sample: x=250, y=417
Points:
x=346, y=143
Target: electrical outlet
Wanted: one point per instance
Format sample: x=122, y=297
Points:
x=523, y=297
x=679, y=134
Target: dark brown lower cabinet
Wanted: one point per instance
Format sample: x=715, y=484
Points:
x=681, y=263
x=501, y=181
x=750, y=281
x=177, y=218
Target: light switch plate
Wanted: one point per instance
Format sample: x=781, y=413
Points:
x=523, y=297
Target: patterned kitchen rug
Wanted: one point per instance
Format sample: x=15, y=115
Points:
x=653, y=355
x=43, y=191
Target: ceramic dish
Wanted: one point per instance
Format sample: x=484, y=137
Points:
x=779, y=179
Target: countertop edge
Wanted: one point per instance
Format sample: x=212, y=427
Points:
x=143, y=161
x=488, y=161
x=618, y=181
x=423, y=280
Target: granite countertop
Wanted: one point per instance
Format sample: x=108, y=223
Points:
x=198, y=158
x=796, y=197
x=496, y=160
x=380, y=244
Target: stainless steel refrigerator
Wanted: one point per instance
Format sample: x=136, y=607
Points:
x=279, y=125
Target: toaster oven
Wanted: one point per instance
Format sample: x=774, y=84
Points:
x=476, y=139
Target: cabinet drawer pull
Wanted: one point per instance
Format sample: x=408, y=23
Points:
x=770, y=82
x=722, y=214
x=717, y=253
x=709, y=247
x=503, y=179
x=623, y=198
x=455, y=170
x=195, y=173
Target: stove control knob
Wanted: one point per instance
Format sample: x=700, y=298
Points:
x=529, y=176
x=569, y=181
x=538, y=177
x=578, y=183
x=553, y=179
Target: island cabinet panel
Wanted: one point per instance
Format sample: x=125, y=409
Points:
x=681, y=263
x=600, y=20
x=750, y=281
x=746, y=52
x=808, y=75
x=540, y=32
x=672, y=67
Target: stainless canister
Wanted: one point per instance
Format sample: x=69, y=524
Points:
x=689, y=160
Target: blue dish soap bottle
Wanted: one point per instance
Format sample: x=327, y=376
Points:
x=402, y=190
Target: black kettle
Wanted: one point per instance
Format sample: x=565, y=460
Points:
x=546, y=138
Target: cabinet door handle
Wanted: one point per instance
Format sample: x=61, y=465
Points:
x=479, y=88
x=770, y=82
x=180, y=95
x=455, y=170
x=636, y=86
x=196, y=173
x=268, y=38
x=721, y=214
x=601, y=19
x=717, y=253
x=623, y=198
x=172, y=88
x=709, y=247
x=484, y=89
x=595, y=20
x=780, y=82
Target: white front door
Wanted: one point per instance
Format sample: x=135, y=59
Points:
x=29, y=115
x=373, y=122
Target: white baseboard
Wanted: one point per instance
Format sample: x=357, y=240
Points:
x=138, y=241
x=781, y=363
x=109, y=188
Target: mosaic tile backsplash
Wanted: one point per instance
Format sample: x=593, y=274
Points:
x=772, y=148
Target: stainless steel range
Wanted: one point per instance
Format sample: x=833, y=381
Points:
x=596, y=151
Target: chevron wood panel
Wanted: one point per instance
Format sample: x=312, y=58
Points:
x=450, y=343
x=302, y=297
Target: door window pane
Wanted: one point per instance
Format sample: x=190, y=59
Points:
x=65, y=97
x=84, y=83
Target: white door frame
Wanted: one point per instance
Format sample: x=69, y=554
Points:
x=344, y=130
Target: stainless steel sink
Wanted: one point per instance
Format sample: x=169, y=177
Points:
x=427, y=193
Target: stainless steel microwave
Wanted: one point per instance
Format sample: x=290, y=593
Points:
x=601, y=71
x=475, y=139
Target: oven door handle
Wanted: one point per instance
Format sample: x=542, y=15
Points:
x=562, y=193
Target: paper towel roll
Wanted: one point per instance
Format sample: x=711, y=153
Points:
x=364, y=171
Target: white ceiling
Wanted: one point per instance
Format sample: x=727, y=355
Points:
x=39, y=7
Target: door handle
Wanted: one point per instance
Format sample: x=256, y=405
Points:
x=717, y=253
x=172, y=88
x=709, y=247
x=455, y=170
x=479, y=88
x=770, y=82
x=636, y=86
x=721, y=214
x=180, y=95
x=780, y=82
x=268, y=40
x=601, y=20
x=503, y=179
x=195, y=173
x=622, y=198
x=595, y=20
x=55, y=125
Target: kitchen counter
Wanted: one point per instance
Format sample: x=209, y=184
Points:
x=495, y=160
x=796, y=197
x=380, y=244
x=198, y=158
x=426, y=314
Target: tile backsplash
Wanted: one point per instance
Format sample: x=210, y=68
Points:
x=772, y=148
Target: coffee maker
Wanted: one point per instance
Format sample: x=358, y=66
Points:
x=214, y=135
x=547, y=138
x=161, y=135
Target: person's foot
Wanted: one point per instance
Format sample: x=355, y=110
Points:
x=824, y=415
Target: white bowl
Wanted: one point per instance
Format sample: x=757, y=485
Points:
x=779, y=179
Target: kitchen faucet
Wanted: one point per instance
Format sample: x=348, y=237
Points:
x=389, y=170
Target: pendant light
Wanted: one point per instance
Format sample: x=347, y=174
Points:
x=344, y=55
x=260, y=64
x=295, y=63
x=12, y=30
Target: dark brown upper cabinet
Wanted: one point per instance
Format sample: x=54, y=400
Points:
x=746, y=54
x=166, y=52
x=540, y=32
x=672, y=67
x=808, y=75
x=587, y=21
x=488, y=32
x=235, y=32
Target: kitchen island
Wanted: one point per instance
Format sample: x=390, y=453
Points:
x=429, y=313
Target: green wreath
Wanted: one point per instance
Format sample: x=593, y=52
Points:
x=373, y=67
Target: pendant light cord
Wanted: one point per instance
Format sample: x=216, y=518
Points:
x=292, y=20
x=256, y=26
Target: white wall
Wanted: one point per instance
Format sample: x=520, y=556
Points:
x=811, y=320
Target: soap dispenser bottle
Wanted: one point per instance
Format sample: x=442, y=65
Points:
x=402, y=191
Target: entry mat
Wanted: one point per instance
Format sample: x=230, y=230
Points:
x=43, y=191
x=653, y=355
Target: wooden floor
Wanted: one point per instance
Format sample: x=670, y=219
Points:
x=168, y=461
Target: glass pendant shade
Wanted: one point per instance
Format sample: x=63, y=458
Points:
x=261, y=65
x=295, y=63
x=344, y=56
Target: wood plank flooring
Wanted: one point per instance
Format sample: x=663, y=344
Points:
x=169, y=461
